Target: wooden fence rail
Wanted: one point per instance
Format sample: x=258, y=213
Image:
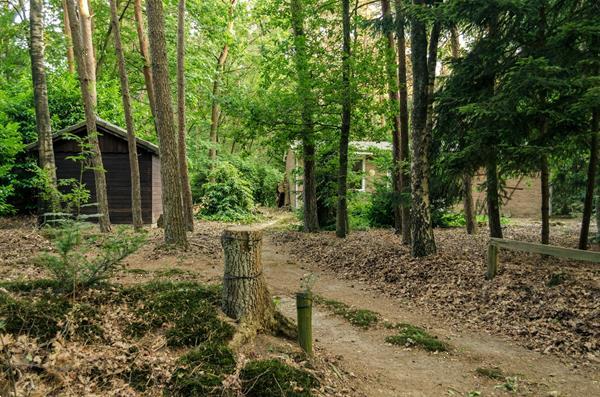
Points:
x=534, y=248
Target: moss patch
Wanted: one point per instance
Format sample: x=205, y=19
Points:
x=31, y=285
x=191, y=308
x=363, y=318
x=409, y=335
x=201, y=371
x=272, y=378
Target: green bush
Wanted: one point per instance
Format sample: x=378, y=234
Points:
x=84, y=259
x=443, y=218
x=359, y=210
x=228, y=196
x=272, y=378
x=381, y=213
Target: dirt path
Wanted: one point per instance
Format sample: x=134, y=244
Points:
x=384, y=370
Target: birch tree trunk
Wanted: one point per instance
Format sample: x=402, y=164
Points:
x=404, y=176
x=136, y=195
x=174, y=222
x=186, y=191
x=40, y=96
x=422, y=242
x=311, y=220
x=68, y=38
x=144, y=51
x=342, y=225
x=393, y=97
x=215, y=111
x=84, y=57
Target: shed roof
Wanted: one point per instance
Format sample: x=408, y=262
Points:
x=106, y=126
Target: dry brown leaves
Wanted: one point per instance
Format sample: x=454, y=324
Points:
x=562, y=319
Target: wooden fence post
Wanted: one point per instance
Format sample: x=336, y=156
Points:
x=492, y=261
x=304, y=308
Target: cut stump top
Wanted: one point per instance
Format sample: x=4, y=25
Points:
x=243, y=232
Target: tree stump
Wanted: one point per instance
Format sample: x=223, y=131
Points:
x=245, y=294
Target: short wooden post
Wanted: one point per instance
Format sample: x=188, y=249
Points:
x=245, y=293
x=492, y=261
x=304, y=307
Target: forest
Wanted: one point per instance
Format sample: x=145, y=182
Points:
x=299, y=197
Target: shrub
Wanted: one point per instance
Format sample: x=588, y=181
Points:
x=272, y=378
x=381, y=213
x=441, y=217
x=228, y=197
x=359, y=209
x=85, y=259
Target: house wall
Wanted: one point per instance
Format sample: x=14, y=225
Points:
x=156, y=189
x=115, y=158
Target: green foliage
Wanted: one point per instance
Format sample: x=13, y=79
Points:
x=381, y=212
x=201, y=371
x=272, y=378
x=491, y=372
x=409, y=335
x=227, y=196
x=84, y=259
x=363, y=318
x=446, y=219
x=191, y=308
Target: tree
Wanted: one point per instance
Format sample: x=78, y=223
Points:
x=40, y=92
x=68, y=37
x=591, y=179
x=304, y=92
x=136, y=196
x=174, y=222
x=145, y=53
x=84, y=57
x=186, y=191
x=422, y=241
x=393, y=95
x=342, y=208
x=215, y=106
x=404, y=175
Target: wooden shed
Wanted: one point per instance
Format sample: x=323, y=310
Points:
x=115, y=157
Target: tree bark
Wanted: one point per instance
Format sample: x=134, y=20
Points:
x=393, y=97
x=493, y=200
x=68, y=38
x=84, y=57
x=215, y=110
x=40, y=97
x=545, y=194
x=589, y=190
x=404, y=176
x=186, y=190
x=311, y=221
x=134, y=169
x=144, y=51
x=422, y=242
x=342, y=224
x=175, y=225
x=434, y=38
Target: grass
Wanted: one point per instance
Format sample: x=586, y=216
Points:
x=362, y=318
x=272, y=378
x=190, y=307
x=409, y=335
x=494, y=373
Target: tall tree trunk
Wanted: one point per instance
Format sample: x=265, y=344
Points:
x=467, y=178
x=432, y=51
x=175, y=225
x=186, y=191
x=422, y=242
x=68, y=38
x=342, y=224
x=215, y=111
x=545, y=193
x=144, y=51
x=394, y=108
x=84, y=57
x=134, y=168
x=404, y=176
x=589, y=190
x=311, y=220
x=493, y=199
x=40, y=98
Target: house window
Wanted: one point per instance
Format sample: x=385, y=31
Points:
x=359, y=180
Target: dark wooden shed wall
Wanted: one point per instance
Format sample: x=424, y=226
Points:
x=118, y=178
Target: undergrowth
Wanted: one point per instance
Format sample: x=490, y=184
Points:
x=409, y=335
x=363, y=318
x=272, y=378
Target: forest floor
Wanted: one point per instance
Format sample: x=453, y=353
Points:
x=532, y=331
